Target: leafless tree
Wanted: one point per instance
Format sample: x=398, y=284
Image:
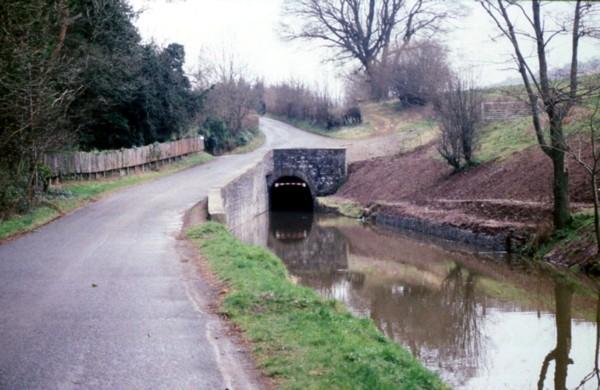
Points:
x=232, y=94
x=549, y=100
x=364, y=30
x=458, y=110
x=296, y=101
x=577, y=149
x=419, y=73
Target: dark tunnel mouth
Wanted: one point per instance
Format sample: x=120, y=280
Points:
x=290, y=193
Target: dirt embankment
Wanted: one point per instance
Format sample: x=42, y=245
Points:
x=508, y=196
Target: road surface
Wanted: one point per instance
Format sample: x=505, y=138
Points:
x=98, y=298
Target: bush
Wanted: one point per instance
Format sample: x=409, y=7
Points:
x=295, y=101
x=458, y=110
x=419, y=73
x=13, y=192
x=218, y=138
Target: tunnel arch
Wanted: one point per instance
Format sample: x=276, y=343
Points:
x=291, y=193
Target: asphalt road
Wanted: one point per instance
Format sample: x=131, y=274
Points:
x=98, y=299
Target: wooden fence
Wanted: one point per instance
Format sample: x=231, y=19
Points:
x=64, y=164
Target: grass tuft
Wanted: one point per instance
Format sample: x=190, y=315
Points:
x=299, y=338
x=345, y=207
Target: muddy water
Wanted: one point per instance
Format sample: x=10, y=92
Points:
x=479, y=321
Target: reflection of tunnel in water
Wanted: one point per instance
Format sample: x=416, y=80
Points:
x=290, y=193
x=304, y=246
x=290, y=226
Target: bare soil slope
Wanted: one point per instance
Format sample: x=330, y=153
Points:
x=511, y=194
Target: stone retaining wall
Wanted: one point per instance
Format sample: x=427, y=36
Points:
x=496, y=243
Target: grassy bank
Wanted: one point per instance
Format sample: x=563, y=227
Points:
x=345, y=207
x=74, y=194
x=300, y=339
x=576, y=242
x=379, y=118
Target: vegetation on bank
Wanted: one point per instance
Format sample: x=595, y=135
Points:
x=257, y=140
x=415, y=124
x=345, y=207
x=297, y=102
x=299, y=338
x=71, y=195
x=575, y=242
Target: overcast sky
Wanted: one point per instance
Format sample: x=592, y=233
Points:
x=249, y=29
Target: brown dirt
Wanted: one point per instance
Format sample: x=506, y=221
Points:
x=513, y=194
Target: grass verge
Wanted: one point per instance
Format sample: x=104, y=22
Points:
x=345, y=207
x=299, y=338
x=74, y=194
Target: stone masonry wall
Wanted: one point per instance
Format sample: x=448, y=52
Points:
x=244, y=197
x=498, y=110
x=323, y=169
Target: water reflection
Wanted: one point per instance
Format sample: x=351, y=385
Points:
x=478, y=322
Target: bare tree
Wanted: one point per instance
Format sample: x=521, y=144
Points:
x=554, y=98
x=419, y=73
x=298, y=102
x=591, y=164
x=364, y=30
x=458, y=110
x=232, y=95
x=449, y=146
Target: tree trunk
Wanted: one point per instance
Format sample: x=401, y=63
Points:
x=596, y=206
x=560, y=189
x=374, y=82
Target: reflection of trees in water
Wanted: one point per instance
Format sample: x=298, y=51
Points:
x=587, y=381
x=442, y=326
x=563, y=294
x=563, y=297
x=464, y=314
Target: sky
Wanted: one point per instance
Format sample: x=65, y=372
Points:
x=250, y=30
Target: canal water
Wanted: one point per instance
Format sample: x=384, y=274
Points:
x=480, y=321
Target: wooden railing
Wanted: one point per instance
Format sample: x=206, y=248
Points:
x=63, y=164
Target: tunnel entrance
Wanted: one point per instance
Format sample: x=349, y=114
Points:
x=290, y=193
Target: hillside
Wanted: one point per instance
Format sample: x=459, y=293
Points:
x=509, y=191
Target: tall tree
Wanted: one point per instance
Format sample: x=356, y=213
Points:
x=34, y=92
x=365, y=30
x=105, y=45
x=548, y=99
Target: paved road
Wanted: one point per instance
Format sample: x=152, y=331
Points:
x=140, y=326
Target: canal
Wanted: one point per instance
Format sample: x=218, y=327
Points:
x=480, y=321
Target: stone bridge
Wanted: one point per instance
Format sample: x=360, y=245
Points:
x=285, y=179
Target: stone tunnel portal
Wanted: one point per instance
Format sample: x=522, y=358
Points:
x=290, y=193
